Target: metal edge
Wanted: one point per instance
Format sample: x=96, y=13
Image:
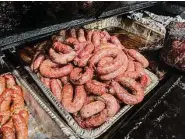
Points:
x=63, y=126
x=41, y=31
x=128, y=8
x=84, y=133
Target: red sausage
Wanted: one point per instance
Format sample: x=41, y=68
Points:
x=105, y=52
x=89, y=36
x=8, y=133
x=20, y=127
x=5, y=99
x=17, y=99
x=121, y=59
x=71, y=41
x=95, y=87
x=96, y=120
x=37, y=61
x=114, y=74
x=131, y=66
x=2, y=84
x=138, y=57
x=92, y=109
x=10, y=81
x=72, y=33
x=126, y=97
x=112, y=105
x=64, y=80
x=52, y=70
x=82, y=62
x=81, y=35
x=105, y=61
x=61, y=58
x=78, y=78
x=4, y=117
x=56, y=89
x=63, y=48
x=71, y=104
x=88, y=49
x=46, y=81
x=116, y=41
x=96, y=39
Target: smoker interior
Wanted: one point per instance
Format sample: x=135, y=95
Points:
x=150, y=118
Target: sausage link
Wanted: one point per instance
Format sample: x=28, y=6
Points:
x=10, y=81
x=56, y=88
x=105, y=61
x=114, y=74
x=88, y=49
x=126, y=97
x=78, y=78
x=89, y=36
x=2, y=84
x=7, y=133
x=30, y=51
x=72, y=41
x=61, y=58
x=82, y=62
x=37, y=61
x=17, y=99
x=24, y=113
x=105, y=52
x=96, y=120
x=121, y=59
x=5, y=99
x=71, y=104
x=138, y=57
x=95, y=87
x=46, y=81
x=131, y=66
x=92, y=109
x=52, y=70
x=96, y=39
x=116, y=41
x=63, y=48
x=64, y=80
x=81, y=35
x=20, y=126
x=25, y=56
x=62, y=33
x=112, y=105
x=4, y=117
x=72, y=33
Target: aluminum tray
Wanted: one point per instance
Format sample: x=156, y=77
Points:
x=43, y=121
x=87, y=133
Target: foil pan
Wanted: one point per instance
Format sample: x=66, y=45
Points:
x=88, y=133
x=44, y=123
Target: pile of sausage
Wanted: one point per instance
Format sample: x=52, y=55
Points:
x=90, y=73
x=13, y=114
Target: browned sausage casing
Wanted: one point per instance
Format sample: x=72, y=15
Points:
x=52, y=70
x=71, y=104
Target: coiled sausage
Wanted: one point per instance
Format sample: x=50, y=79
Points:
x=37, y=61
x=61, y=58
x=20, y=126
x=112, y=105
x=81, y=35
x=138, y=57
x=10, y=81
x=53, y=70
x=78, y=78
x=95, y=87
x=105, y=52
x=2, y=84
x=63, y=48
x=71, y=104
x=126, y=97
x=56, y=89
x=121, y=59
x=92, y=109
